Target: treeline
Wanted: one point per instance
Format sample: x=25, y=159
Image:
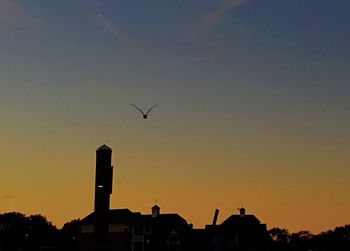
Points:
x=35, y=232
x=332, y=240
x=29, y=233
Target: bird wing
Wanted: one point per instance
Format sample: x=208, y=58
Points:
x=150, y=109
x=138, y=109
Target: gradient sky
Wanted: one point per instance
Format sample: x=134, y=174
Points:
x=254, y=108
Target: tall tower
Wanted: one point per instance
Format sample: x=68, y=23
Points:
x=103, y=190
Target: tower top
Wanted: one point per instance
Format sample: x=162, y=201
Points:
x=104, y=148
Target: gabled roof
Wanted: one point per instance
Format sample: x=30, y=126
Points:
x=165, y=219
x=104, y=148
x=247, y=219
x=164, y=224
x=116, y=216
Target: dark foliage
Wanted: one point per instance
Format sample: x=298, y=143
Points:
x=19, y=232
x=69, y=235
x=332, y=240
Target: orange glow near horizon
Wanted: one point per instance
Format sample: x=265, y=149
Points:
x=192, y=182
x=253, y=108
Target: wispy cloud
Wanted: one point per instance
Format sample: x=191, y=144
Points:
x=7, y=197
x=223, y=9
x=13, y=13
x=106, y=25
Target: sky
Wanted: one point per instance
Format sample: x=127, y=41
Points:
x=253, y=108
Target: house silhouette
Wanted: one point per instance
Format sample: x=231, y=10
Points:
x=124, y=230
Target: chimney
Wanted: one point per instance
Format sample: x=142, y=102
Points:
x=216, y=214
x=155, y=211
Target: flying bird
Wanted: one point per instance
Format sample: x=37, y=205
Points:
x=144, y=114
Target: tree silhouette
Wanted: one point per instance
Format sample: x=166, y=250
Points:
x=336, y=240
x=69, y=235
x=332, y=240
x=300, y=240
x=18, y=232
x=279, y=235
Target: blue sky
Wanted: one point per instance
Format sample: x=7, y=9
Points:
x=246, y=85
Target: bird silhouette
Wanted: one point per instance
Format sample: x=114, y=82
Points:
x=144, y=114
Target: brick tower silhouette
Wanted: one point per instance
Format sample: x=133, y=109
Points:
x=103, y=190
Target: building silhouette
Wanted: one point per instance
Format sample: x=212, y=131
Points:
x=238, y=232
x=164, y=231
x=124, y=230
x=103, y=190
